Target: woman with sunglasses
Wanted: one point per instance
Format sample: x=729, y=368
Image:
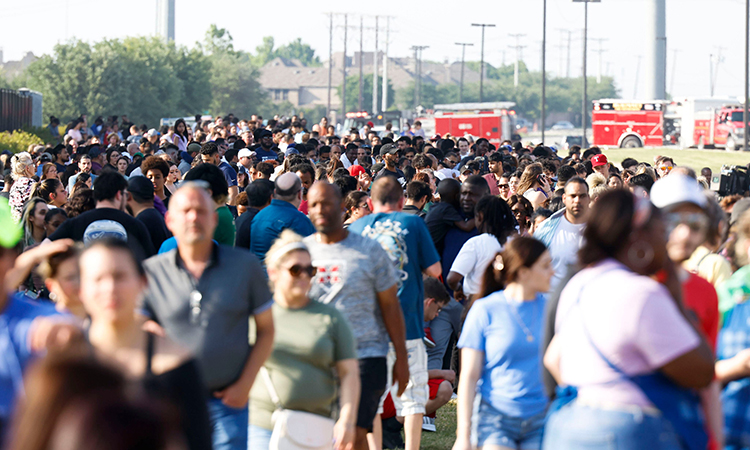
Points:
x=112, y=283
x=356, y=207
x=313, y=351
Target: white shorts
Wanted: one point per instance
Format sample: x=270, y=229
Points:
x=417, y=392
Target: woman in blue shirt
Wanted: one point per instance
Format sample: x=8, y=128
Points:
x=501, y=355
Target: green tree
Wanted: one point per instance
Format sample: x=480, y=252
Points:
x=145, y=78
x=352, y=92
x=301, y=51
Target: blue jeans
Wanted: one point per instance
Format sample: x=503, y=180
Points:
x=258, y=438
x=496, y=428
x=229, y=426
x=576, y=427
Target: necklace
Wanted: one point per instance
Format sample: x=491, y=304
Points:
x=517, y=318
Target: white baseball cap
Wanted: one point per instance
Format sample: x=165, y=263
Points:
x=245, y=153
x=676, y=189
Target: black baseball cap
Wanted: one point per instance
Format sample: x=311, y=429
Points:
x=388, y=148
x=141, y=188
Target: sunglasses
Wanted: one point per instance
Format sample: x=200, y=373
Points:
x=503, y=186
x=298, y=269
x=696, y=222
x=195, y=307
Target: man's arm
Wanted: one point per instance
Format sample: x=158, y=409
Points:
x=236, y=395
x=393, y=319
x=434, y=270
x=234, y=191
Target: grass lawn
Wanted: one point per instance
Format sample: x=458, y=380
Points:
x=445, y=435
x=697, y=159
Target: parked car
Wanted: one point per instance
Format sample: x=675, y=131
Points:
x=564, y=125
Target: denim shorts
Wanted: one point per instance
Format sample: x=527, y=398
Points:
x=579, y=427
x=496, y=428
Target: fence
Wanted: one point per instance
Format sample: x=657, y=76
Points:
x=19, y=109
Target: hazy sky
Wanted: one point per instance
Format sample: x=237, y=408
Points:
x=695, y=28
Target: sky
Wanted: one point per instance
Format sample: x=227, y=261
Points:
x=696, y=30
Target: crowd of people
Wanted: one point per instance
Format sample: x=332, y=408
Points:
x=267, y=284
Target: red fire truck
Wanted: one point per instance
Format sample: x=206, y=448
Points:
x=628, y=124
x=720, y=127
x=495, y=121
x=687, y=122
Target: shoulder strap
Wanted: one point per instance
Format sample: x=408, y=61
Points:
x=149, y=352
x=269, y=386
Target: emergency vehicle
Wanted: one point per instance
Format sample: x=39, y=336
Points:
x=495, y=121
x=358, y=119
x=687, y=122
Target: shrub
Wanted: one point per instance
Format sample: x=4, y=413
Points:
x=18, y=141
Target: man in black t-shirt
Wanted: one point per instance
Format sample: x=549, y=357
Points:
x=141, y=203
x=108, y=219
x=389, y=153
x=259, y=195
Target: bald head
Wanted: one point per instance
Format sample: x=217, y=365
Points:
x=387, y=191
x=326, y=189
x=191, y=216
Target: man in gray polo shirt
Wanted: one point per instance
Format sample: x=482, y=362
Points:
x=203, y=295
x=356, y=276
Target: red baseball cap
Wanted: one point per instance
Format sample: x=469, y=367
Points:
x=356, y=170
x=599, y=160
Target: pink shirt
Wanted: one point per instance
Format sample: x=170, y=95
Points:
x=633, y=321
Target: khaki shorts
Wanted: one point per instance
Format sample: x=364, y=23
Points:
x=417, y=392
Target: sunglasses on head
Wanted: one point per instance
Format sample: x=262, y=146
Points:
x=298, y=269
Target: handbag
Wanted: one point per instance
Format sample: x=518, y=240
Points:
x=297, y=430
x=681, y=407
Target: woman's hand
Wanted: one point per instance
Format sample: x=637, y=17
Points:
x=344, y=433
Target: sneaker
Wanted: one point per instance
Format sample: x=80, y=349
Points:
x=428, y=424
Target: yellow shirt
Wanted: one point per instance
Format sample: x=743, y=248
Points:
x=710, y=266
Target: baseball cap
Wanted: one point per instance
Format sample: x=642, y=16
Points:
x=677, y=189
x=193, y=147
x=388, y=148
x=153, y=132
x=356, y=170
x=599, y=160
x=10, y=231
x=245, y=153
x=141, y=188
x=94, y=152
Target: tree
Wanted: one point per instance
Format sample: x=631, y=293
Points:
x=145, y=78
x=352, y=92
x=293, y=50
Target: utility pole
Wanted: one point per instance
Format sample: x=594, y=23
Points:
x=746, y=113
x=674, y=70
x=715, y=62
x=343, y=68
x=637, y=73
x=518, y=48
x=361, y=64
x=463, y=58
x=544, y=66
x=375, y=72
x=585, y=105
x=418, y=73
x=384, y=105
x=330, y=63
x=600, y=50
x=481, y=64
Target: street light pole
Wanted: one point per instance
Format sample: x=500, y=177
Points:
x=481, y=64
x=463, y=58
x=584, y=106
x=746, y=115
x=544, y=65
x=584, y=116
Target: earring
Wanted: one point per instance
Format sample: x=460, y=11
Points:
x=53, y=297
x=641, y=254
x=498, y=264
